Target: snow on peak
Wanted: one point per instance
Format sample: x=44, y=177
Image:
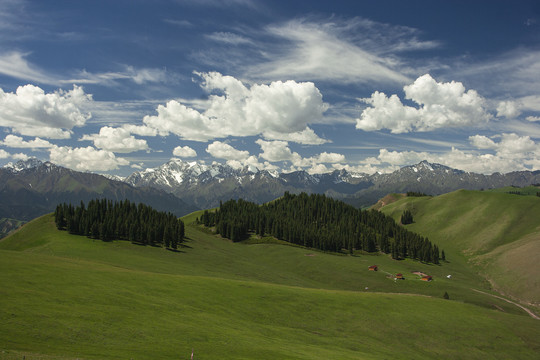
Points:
x=23, y=165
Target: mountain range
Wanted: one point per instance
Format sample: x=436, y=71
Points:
x=32, y=188
x=205, y=185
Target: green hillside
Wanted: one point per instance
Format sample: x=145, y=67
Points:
x=65, y=297
x=497, y=232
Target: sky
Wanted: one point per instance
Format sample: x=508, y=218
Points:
x=367, y=86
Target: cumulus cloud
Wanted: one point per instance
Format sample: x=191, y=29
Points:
x=440, y=105
x=275, y=151
x=86, y=159
x=184, y=152
x=140, y=130
x=330, y=158
x=510, y=146
x=237, y=159
x=507, y=152
x=508, y=109
x=117, y=140
x=30, y=111
x=221, y=150
x=279, y=151
x=278, y=110
x=4, y=154
x=14, y=141
x=20, y=156
x=306, y=137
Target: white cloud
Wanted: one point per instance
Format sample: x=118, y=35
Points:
x=225, y=151
x=20, y=156
x=349, y=51
x=401, y=158
x=278, y=151
x=14, y=141
x=509, y=147
x=533, y=118
x=14, y=64
x=111, y=78
x=30, y=111
x=482, y=142
x=146, y=75
x=140, y=130
x=510, y=153
x=509, y=109
x=277, y=110
x=252, y=163
x=184, y=152
x=86, y=159
x=441, y=105
x=117, y=140
x=531, y=102
x=306, y=137
x=518, y=70
x=237, y=159
x=330, y=158
x=228, y=38
x=4, y=154
x=275, y=151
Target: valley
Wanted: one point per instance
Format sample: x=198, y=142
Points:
x=67, y=297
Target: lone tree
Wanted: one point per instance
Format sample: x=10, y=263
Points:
x=446, y=296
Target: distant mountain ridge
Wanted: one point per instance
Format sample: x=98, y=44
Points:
x=205, y=185
x=32, y=188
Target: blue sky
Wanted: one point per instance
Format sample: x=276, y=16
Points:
x=117, y=86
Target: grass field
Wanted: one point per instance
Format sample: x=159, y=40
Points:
x=498, y=233
x=68, y=297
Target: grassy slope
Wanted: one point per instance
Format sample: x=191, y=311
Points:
x=496, y=231
x=68, y=297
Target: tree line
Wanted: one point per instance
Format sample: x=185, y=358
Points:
x=107, y=220
x=317, y=221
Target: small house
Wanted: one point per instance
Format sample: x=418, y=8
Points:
x=427, y=278
x=400, y=276
x=373, y=268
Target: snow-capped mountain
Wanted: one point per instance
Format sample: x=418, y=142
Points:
x=205, y=185
x=29, y=188
x=23, y=165
x=32, y=188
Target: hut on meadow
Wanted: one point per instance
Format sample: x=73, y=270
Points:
x=373, y=268
x=400, y=276
x=427, y=278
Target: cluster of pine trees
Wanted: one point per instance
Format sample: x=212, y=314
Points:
x=415, y=194
x=319, y=222
x=406, y=217
x=124, y=220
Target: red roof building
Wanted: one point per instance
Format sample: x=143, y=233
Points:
x=373, y=268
